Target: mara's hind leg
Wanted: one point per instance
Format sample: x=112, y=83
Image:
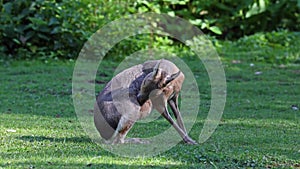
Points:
x=122, y=130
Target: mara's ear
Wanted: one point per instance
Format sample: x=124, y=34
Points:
x=171, y=78
x=156, y=71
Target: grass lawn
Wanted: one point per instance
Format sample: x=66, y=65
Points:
x=259, y=128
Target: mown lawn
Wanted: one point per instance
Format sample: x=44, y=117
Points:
x=259, y=128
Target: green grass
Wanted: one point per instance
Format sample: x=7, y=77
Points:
x=259, y=128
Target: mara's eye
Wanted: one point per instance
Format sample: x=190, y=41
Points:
x=146, y=81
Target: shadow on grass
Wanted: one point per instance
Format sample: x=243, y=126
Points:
x=90, y=165
x=51, y=139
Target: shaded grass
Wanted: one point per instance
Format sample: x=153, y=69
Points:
x=259, y=128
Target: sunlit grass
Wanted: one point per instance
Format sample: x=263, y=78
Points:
x=259, y=127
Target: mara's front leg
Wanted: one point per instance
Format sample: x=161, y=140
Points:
x=183, y=134
x=161, y=106
x=173, y=102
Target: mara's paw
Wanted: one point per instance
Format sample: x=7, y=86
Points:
x=189, y=140
x=136, y=141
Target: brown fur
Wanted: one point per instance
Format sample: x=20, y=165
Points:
x=154, y=84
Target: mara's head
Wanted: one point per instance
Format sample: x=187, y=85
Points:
x=155, y=82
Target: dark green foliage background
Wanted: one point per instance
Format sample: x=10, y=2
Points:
x=58, y=28
x=52, y=28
